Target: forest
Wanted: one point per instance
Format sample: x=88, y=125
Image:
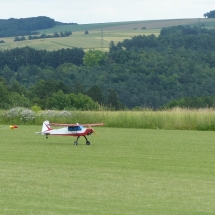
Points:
x=177, y=68
x=26, y=26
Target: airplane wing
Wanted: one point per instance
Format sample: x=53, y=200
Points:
x=77, y=124
x=94, y=124
x=60, y=124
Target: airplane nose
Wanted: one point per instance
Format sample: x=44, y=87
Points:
x=90, y=131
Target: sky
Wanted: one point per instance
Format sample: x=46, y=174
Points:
x=101, y=11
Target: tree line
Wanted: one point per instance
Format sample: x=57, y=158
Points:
x=145, y=71
x=20, y=57
x=43, y=36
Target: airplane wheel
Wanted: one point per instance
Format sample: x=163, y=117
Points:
x=75, y=143
x=88, y=142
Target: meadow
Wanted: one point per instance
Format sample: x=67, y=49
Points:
x=123, y=171
x=129, y=168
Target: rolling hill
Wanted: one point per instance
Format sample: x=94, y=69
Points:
x=101, y=34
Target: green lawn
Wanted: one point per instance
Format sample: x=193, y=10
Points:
x=123, y=171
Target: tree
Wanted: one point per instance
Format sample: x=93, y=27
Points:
x=4, y=95
x=7, y=73
x=210, y=14
x=19, y=100
x=22, y=74
x=62, y=34
x=112, y=100
x=82, y=102
x=17, y=87
x=78, y=88
x=56, y=34
x=94, y=58
x=112, y=47
x=16, y=39
x=58, y=101
x=96, y=94
x=43, y=89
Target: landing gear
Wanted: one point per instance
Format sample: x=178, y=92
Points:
x=87, y=141
x=76, y=142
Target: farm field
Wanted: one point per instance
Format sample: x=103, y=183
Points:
x=123, y=171
x=93, y=40
x=100, y=34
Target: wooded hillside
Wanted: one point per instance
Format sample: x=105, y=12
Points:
x=145, y=71
x=25, y=26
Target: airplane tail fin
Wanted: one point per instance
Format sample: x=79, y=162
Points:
x=46, y=126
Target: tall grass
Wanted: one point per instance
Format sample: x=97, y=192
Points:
x=178, y=118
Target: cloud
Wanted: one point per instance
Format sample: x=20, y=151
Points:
x=97, y=11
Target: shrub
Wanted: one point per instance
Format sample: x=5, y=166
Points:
x=19, y=115
x=36, y=108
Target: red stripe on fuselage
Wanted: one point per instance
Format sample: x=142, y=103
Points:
x=88, y=131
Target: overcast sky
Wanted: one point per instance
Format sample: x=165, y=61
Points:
x=101, y=11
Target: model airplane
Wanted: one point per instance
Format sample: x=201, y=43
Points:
x=76, y=130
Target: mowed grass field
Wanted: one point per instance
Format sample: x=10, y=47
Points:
x=123, y=171
x=101, y=34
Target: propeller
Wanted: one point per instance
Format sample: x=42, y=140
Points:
x=94, y=132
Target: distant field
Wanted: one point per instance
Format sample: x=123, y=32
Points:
x=149, y=24
x=123, y=171
x=101, y=34
x=94, y=40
